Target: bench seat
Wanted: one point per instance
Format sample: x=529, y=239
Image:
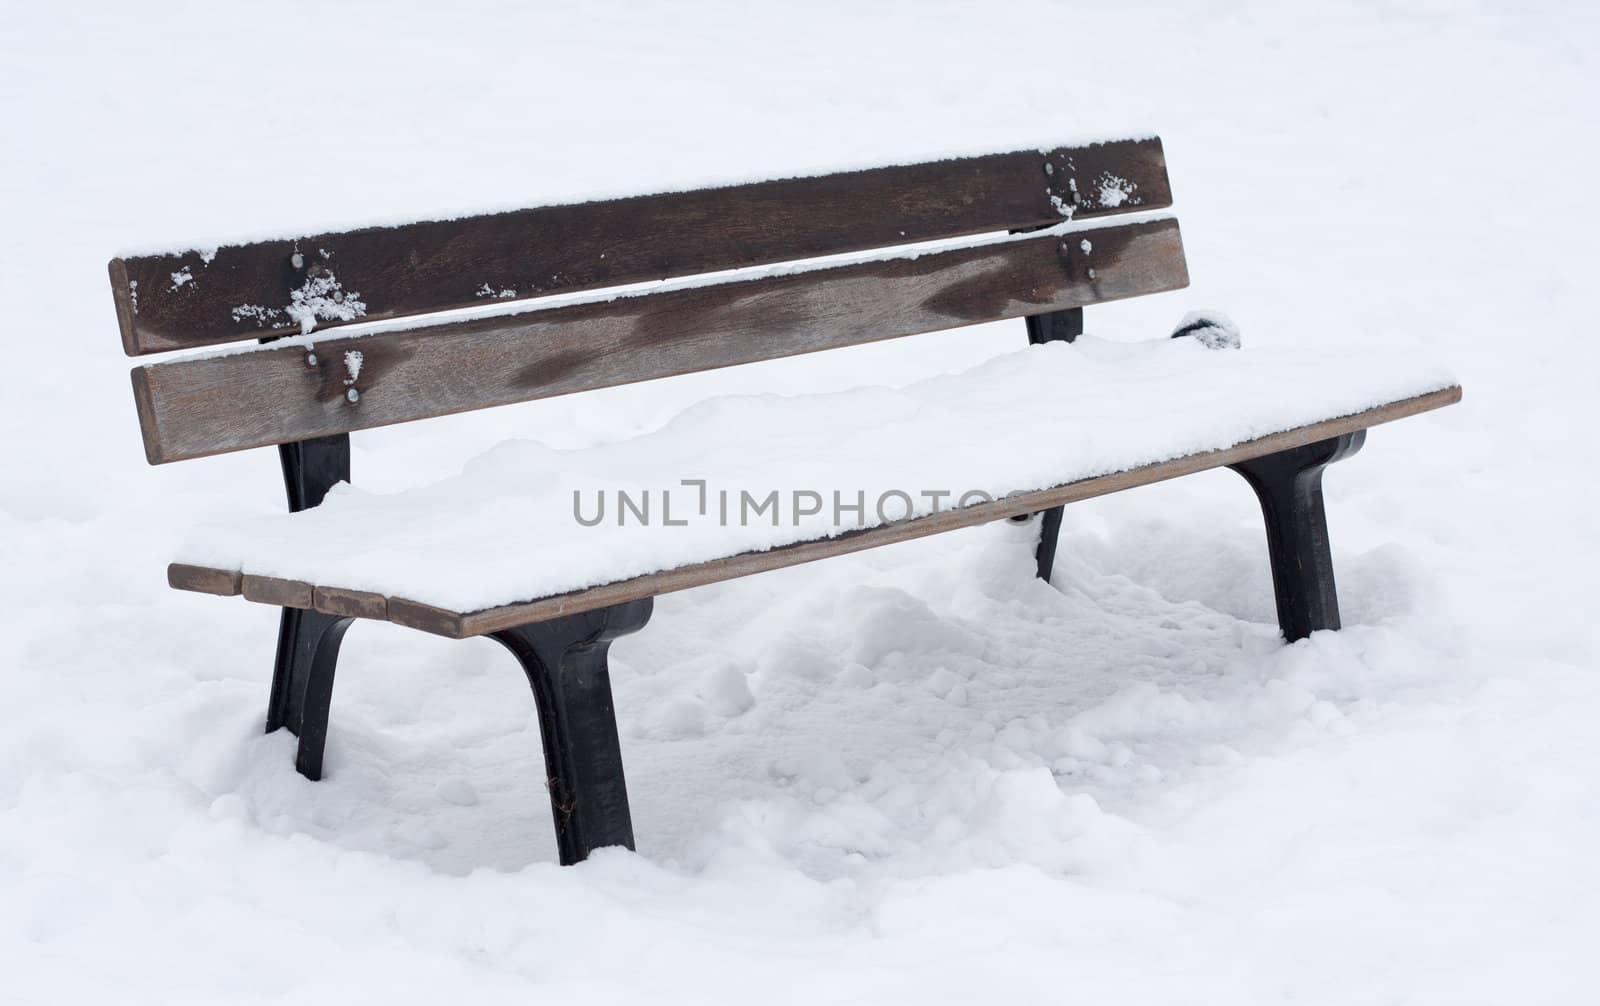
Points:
x=500, y=545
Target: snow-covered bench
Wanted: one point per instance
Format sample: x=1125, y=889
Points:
x=557, y=553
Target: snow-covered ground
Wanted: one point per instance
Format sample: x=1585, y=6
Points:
x=915, y=775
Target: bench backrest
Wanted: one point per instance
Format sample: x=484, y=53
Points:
x=516, y=344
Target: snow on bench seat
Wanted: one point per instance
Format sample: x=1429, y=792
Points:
x=447, y=556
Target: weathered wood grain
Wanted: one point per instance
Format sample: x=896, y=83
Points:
x=241, y=292
x=352, y=603
x=428, y=618
x=203, y=579
x=193, y=408
x=276, y=590
x=445, y=622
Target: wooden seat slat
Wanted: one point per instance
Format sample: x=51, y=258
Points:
x=460, y=624
x=188, y=299
x=211, y=405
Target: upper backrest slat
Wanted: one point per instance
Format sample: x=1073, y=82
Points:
x=241, y=292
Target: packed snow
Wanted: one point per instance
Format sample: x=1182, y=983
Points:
x=915, y=775
x=321, y=298
x=756, y=472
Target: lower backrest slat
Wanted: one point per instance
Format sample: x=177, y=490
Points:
x=211, y=405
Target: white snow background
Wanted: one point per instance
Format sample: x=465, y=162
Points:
x=910, y=776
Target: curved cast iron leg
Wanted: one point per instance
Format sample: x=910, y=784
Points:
x=1289, y=486
x=565, y=660
x=302, y=685
x=308, y=641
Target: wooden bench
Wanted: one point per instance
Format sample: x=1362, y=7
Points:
x=1013, y=246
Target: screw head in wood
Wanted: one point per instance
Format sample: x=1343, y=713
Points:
x=352, y=395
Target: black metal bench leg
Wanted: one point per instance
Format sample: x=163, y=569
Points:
x=1049, y=531
x=302, y=682
x=1289, y=486
x=308, y=641
x=565, y=660
x=1057, y=326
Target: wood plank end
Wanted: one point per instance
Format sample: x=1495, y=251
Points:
x=203, y=579
x=127, y=305
x=149, y=430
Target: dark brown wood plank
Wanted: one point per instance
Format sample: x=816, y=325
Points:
x=416, y=615
x=351, y=603
x=444, y=622
x=276, y=590
x=193, y=408
x=203, y=579
x=241, y=292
